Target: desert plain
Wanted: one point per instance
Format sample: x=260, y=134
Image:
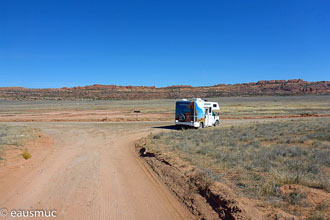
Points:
x=115, y=159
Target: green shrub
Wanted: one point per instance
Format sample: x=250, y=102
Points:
x=26, y=155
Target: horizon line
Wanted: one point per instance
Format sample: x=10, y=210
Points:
x=174, y=85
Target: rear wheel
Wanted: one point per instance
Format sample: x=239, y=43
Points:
x=216, y=124
x=182, y=117
x=201, y=125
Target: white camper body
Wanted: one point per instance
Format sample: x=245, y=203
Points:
x=196, y=113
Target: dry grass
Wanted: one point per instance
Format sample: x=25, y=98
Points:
x=258, y=159
x=230, y=106
x=14, y=137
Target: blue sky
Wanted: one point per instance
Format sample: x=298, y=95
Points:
x=55, y=43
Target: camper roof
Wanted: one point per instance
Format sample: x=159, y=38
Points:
x=197, y=100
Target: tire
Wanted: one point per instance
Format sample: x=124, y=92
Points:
x=201, y=125
x=216, y=124
x=182, y=117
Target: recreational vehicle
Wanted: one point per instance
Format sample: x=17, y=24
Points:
x=196, y=113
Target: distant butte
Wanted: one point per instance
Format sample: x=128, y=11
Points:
x=111, y=92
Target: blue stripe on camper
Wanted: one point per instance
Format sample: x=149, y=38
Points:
x=199, y=111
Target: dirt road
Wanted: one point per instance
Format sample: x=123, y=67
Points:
x=90, y=172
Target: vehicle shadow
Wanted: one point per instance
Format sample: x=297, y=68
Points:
x=167, y=127
x=173, y=127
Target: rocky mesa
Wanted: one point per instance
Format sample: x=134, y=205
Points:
x=111, y=92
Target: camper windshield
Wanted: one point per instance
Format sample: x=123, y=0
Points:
x=184, y=108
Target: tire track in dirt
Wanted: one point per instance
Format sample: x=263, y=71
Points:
x=92, y=173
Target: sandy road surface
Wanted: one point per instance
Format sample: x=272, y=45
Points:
x=90, y=172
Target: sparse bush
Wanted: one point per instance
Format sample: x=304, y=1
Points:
x=26, y=155
x=295, y=197
x=322, y=206
x=157, y=136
